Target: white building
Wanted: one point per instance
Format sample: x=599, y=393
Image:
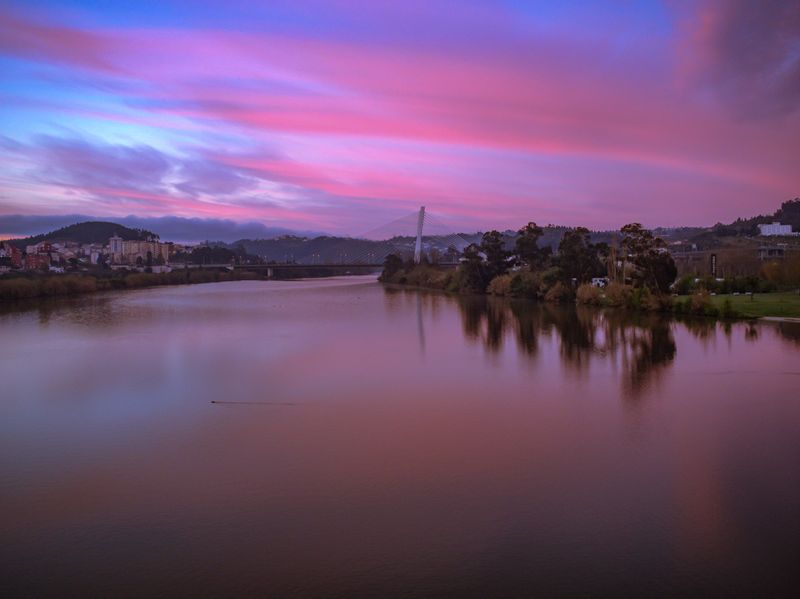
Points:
x=115, y=244
x=131, y=251
x=775, y=228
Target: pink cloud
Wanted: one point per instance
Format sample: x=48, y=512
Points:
x=597, y=128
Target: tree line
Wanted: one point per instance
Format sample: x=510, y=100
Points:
x=524, y=268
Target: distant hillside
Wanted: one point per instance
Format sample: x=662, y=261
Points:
x=326, y=249
x=787, y=214
x=88, y=232
x=321, y=250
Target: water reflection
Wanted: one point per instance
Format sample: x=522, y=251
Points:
x=330, y=438
x=642, y=346
x=790, y=331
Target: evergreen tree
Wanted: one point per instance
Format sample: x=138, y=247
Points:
x=655, y=268
x=526, y=247
x=578, y=257
x=496, y=255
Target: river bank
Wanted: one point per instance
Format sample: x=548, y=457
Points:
x=773, y=305
x=63, y=285
x=524, y=285
x=23, y=286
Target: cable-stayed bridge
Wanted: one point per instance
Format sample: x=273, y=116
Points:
x=418, y=235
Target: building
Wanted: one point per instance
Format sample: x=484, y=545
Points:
x=41, y=247
x=12, y=255
x=772, y=252
x=115, y=245
x=774, y=228
x=115, y=249
x=37, y=261
x=134, y=251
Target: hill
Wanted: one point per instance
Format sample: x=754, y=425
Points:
x=788, y=214
x=87, y=232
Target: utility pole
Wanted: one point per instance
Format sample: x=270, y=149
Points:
x=418, y=246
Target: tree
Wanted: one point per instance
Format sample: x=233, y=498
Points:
x=578, y=257
x=392, y=264
x=603, y=251
x=526, y=247
x=496, y=255
x=240, y=254
x=663, y=270
x=451, y=255
x=474, y=271
x=654, y=266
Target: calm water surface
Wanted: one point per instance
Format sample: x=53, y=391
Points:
x=335, y=438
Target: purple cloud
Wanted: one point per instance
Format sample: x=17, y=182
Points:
x=748, y=52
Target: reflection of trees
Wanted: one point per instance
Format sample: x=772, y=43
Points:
x=577, y=331
x=486, y=319
x=84, y=310
x=790, y=331
x=702, y=328
x=473, y=310
x=527, y=320
x=652, y=348
x=393, y=298
x=643, y=345
x=496, y=319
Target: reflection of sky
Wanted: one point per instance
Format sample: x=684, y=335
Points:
x=474, y=447
x=341, y=116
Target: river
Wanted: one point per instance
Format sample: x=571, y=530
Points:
x=337, y=438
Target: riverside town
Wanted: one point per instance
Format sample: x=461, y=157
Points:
x=750, y=268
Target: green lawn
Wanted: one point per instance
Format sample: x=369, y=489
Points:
x=785, y=303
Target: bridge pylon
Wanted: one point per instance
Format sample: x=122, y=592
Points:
x=418, y=245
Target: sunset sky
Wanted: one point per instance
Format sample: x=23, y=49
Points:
x=340, y=115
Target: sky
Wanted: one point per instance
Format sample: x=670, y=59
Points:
x=342, y=115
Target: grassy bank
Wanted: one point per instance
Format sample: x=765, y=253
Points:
x=55, y=285
x=784, y=304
